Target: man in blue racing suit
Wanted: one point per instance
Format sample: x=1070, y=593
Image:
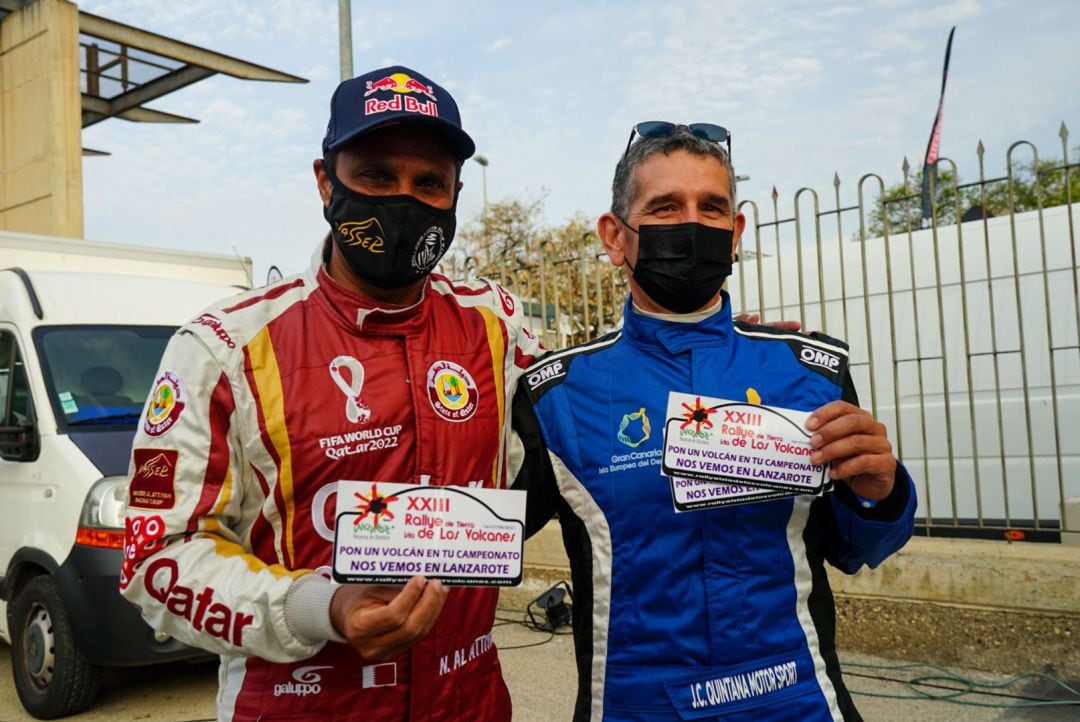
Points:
x=720, y=609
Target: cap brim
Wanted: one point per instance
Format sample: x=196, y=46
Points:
x=459, y=141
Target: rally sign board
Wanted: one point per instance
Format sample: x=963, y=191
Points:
x=738, y=444
x=697, y=494
x=463, y=536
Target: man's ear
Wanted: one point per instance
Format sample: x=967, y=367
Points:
x=322, y=181
x=737, y=231
x=613, y=237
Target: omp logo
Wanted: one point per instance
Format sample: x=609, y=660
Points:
x=367, y=234
x=819, y=358
x=545, y=373
x=305, y=681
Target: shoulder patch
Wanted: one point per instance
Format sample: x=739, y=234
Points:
x=551, y=370
x=153, y=483
x=817, y=352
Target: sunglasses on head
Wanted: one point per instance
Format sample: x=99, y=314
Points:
x=662, y=129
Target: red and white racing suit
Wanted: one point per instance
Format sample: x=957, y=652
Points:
x=261, y=405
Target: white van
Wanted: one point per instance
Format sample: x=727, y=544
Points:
x=78, y=354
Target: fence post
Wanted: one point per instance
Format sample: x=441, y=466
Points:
x=543, y=290
x=600, y=293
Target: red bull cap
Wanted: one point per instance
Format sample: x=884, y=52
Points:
x=394, y=95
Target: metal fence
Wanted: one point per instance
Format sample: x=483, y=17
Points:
x=964, y=334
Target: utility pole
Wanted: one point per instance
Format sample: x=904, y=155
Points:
x=345, y=38
x=483, y=161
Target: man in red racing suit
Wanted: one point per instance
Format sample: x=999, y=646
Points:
x=265, y=401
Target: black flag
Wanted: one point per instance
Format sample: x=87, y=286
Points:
x=930, y=161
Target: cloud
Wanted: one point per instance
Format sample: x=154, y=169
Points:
x=894, y=39
x=319, y=71
x=940, y=15
x=498, y=45
x=638, y=39
x=839, y=10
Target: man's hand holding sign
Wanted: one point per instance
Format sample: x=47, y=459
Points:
x=856, y=446
x=384, y=621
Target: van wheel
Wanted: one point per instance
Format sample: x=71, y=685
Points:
x=51, y=677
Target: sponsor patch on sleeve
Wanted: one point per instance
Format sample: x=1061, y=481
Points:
x=152, y=485
x=166, y=405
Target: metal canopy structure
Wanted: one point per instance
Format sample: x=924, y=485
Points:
x=122, y=68
x=9, y=6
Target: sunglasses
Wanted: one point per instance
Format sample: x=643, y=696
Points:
x=663, y=129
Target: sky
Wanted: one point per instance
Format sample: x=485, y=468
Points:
x=549, y=91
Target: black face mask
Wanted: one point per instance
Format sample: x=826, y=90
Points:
x=682, y=265
x=389, y=241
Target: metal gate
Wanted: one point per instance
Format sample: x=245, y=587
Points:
x=964, y=330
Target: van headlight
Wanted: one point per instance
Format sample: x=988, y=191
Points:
x=101, y=522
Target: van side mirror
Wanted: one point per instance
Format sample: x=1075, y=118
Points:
x=20, y=442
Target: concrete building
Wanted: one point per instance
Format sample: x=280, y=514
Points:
x=62, y=70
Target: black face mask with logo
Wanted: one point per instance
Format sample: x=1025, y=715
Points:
x=682, y=265
x=389, y=241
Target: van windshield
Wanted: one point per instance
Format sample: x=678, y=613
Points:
x=98, y=377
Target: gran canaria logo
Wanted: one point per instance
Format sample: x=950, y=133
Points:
x=367, y=234
x=646, y=428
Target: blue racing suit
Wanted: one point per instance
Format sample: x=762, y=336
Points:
x=723, y=613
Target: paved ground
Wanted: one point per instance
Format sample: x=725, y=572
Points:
x=542, y=683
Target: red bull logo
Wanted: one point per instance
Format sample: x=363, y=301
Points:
x=405, y=89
